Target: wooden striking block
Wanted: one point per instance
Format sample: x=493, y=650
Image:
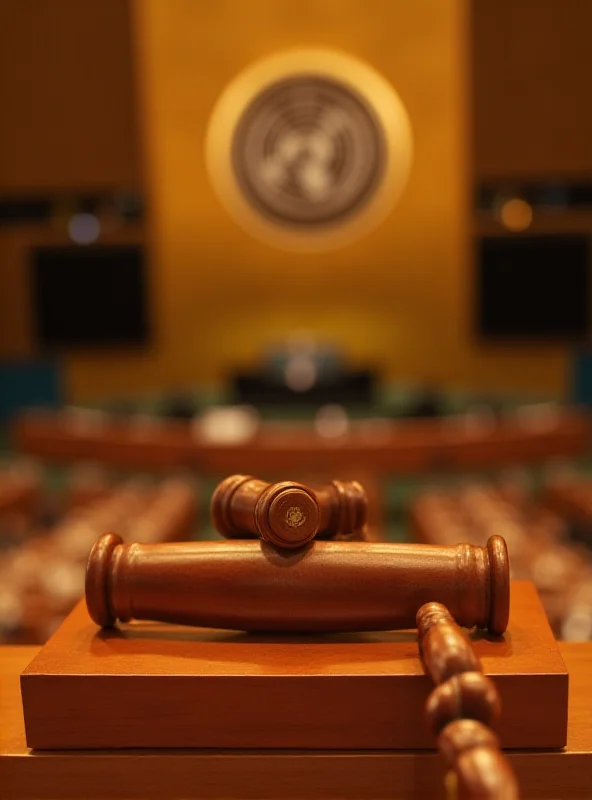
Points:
x=163, y=686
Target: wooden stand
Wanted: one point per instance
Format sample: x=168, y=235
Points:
x=163, y=686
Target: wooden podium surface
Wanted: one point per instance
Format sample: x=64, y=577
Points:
x=263, y=775
x=146, y=684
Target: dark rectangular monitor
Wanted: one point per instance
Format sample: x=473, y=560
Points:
x=89, y=296
x=533, y=287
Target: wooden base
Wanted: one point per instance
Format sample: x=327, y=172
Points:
x=277, y=775
x=159, y=686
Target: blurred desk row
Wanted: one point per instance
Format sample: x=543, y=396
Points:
x=150, y=479
x=45, y=539
x=234, y=439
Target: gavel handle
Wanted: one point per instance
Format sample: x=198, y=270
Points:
x=462, y=708
x=326, y=586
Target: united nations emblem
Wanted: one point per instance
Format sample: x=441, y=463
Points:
x=294, y=517
x=309, y=149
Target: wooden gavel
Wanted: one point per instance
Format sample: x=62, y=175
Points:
x=326, y=586
x=462, y=708
x=287, y=514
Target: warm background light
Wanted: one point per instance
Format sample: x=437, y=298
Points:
x=516, y=214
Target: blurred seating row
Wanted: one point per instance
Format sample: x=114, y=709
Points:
x=226, y=440
x=20, y=497
x=539, y=542
x=42, y=574
x=570, y=495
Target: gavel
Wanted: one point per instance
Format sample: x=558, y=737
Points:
x=462, y=708
x=287, y=514
x=327, y=586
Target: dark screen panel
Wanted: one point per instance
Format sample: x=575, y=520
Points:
x=533, y=287
x=89, y=296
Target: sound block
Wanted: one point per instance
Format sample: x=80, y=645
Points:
x=163, y=686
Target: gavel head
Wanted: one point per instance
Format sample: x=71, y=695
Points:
x=285, y=514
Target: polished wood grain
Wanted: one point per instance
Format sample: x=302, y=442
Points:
x=313, y=692
x=274, y=775
x=252, y=586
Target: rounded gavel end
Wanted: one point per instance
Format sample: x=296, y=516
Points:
x=431, y=614
x=499, y=577
x=285, y=514
x=352, y=508
x=498, y=616
x=97, y=579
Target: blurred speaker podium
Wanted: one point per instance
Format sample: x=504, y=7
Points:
x=304, y=370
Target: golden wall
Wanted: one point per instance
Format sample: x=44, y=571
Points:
x=399, y=297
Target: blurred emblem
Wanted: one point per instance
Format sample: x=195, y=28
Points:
x=308, y=151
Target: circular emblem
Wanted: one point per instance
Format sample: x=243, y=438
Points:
x=294, y=517
x=308, y=150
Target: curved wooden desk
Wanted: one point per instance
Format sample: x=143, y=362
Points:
x=372, y=446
